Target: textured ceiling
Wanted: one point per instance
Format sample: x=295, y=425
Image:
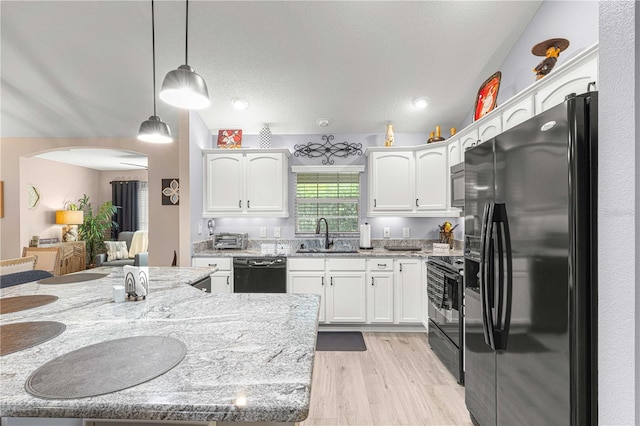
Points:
x=83, y=69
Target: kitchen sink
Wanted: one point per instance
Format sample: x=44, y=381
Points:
x=323, y=250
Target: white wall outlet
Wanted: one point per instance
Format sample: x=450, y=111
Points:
x=406, y=232
x=276, y=232
x=386, y=232
x=263, y=231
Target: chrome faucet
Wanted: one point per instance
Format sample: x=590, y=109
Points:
x=327, y=243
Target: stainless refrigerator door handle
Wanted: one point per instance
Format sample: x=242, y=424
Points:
x=483, y=272
x=506, y=286
x=489, y=290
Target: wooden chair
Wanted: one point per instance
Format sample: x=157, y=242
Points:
x=47, y=258
x=21, y=264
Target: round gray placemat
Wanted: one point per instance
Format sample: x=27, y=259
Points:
x=21, y=303
x=24, y=335
x=72, y=278
x=106, y=367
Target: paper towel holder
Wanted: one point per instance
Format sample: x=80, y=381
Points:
x=365, y=237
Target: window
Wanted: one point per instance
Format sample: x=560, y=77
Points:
x=334, y=196
x=143, y=206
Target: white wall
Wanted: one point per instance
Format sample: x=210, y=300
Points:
x=618, y=222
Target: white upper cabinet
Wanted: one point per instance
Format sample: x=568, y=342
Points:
x=575, y=80
x=245, y=183
x=490, y=128
x=517, y=113
x=455, y=151
x=409, y=181
x=432, y=178
x=391, y=181
x=468, y=139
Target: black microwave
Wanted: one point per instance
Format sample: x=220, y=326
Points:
x=457, y=185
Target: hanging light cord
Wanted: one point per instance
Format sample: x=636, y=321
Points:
x=153, y=49
x=186, y=33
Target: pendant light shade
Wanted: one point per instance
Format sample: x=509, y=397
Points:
x=154, y=130
x=184, y=88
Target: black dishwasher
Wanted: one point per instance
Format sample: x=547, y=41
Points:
x=260, y=274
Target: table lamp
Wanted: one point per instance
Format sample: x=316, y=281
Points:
x=71, y=219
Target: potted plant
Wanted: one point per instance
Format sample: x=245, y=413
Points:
x=95, y=227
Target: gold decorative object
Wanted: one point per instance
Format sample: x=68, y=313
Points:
x=388, y=140
x=437, y=137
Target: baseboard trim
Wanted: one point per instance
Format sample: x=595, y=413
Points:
x=391, y=328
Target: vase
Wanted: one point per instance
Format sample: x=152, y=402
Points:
x=265, y=137
x=388, y=140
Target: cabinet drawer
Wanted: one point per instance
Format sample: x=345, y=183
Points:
x=380, y=264
x=335, y=264
x=307, y=264
x=222, y=263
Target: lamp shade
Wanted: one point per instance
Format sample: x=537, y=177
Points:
x=184, y=88
x=69, y=217
x=154, y=130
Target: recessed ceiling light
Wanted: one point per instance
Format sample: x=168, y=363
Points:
x=323, y=122
x=421, y=103
x=239, y=104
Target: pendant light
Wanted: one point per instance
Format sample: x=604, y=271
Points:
x=183, y=87
x=154, y=130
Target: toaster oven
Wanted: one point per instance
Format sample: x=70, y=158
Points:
x=230, y=240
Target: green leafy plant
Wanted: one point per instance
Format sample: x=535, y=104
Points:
x=95, y=227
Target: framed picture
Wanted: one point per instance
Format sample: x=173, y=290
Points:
x=229, y=138
x=487, y=96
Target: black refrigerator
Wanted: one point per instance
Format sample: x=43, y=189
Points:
x=530, y=270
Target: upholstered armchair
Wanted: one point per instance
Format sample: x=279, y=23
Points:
x=119, y=255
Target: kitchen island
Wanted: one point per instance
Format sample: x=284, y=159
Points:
x=249, y=356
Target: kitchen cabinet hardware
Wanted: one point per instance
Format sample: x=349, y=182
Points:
x=239, y=204
x=372, y=280
x=331, y=281
x=215, y=265
x=248, y=204
x=401, y=267
x=228, y=280
x=374, y=203
x=382, y=265
x=322, y=281
x=417, y=203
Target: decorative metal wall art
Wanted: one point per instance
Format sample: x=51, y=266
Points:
x=328, y=149
x=170, y=192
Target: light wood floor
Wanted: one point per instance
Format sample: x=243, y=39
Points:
x=397, y=381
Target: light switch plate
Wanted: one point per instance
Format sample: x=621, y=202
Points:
x=263, y=231
x=276, y=232
x=386, y=232
x=406, y=232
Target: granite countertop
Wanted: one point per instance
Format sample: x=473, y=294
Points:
x=259, y=347
x=376, y=252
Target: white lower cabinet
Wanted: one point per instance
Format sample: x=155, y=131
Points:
x=307, y=275
x=339, y=282
x=222, y=280
x=409, y=284
x=379, y=290
x=346, y=298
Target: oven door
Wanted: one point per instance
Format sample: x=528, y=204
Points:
x=443, y=290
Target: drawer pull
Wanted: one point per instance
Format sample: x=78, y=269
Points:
x=213, y=264
x=382, y=265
